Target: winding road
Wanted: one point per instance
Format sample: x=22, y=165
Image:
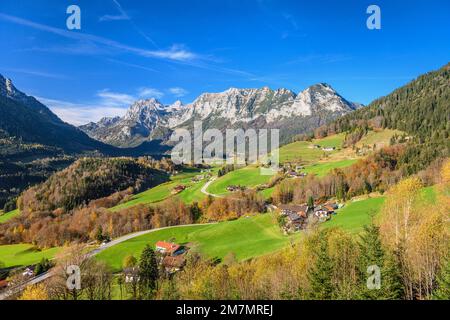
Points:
x=206, y=187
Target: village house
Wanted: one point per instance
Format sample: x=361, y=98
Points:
x=131, y=274
x=328, y=149
x=3, y=284
x=173, y=264
x=324, y=212
x=169, y=248
x=178, y=189
x=173, y=258
x=233, y=188
x=296, y=217
x=28, y=272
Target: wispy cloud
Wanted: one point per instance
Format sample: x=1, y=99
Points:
x=122, y=16
x=174, y=53
x=178, y=92
x=35, y=73
x=115, y=99
x=150, y=93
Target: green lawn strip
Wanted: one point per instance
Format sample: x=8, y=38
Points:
x=24, y=254
x=9, y=215
x=245, y=237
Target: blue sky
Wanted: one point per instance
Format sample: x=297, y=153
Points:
x=131, y=49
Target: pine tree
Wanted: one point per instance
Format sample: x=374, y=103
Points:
x=148, y=273
x=372, y=253
x=320, y=275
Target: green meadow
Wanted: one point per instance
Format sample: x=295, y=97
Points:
x=249, y=177
x=24, y=254
x=9, y=215
x=246, y=237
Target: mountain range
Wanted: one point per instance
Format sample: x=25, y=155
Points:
x=147, y=120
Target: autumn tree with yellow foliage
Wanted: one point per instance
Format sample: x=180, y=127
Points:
x=417, y=233
x=35, y=292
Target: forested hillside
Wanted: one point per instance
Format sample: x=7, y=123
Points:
x=420, y=108
x=88, y=179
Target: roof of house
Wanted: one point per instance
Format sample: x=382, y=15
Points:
x=294, y=217
x=3, y=283
x=294, y=208
x=171, y=247
x=174, y=261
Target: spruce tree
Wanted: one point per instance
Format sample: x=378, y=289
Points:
x=148, y=273
x=372, y=253
x=320, y=275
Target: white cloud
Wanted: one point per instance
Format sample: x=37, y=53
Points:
x=115, y=99
x=150, y=93
x=178, y=92
x=78, y=113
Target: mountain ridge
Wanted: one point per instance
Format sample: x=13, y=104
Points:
x=257, y=108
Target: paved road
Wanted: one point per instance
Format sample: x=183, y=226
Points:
x=92, y=253
x=206, y=187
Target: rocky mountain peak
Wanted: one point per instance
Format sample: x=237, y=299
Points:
x=262, y=107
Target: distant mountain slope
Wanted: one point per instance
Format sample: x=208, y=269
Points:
x=25, y=118
x=234, y=108
x=421, y=108
x=34, y=142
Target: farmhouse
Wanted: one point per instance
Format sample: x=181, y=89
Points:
x=3, y=284
x=173, y=264
x=28, y=272
x=328, y=148
x=294, y=209
x=178, y=189
x=169, y=248
x=131, y=274
x=233, y=188
x=324, y=212
x=295, y=217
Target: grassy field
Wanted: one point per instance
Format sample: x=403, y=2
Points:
x=9, y=215
x=24, y=254
x=358, y=213
x=163, y=191
x=323, y=168
x=380, y=138
x=355, y=215
x=249, y=177
x=246, y=238
x=300, y=151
